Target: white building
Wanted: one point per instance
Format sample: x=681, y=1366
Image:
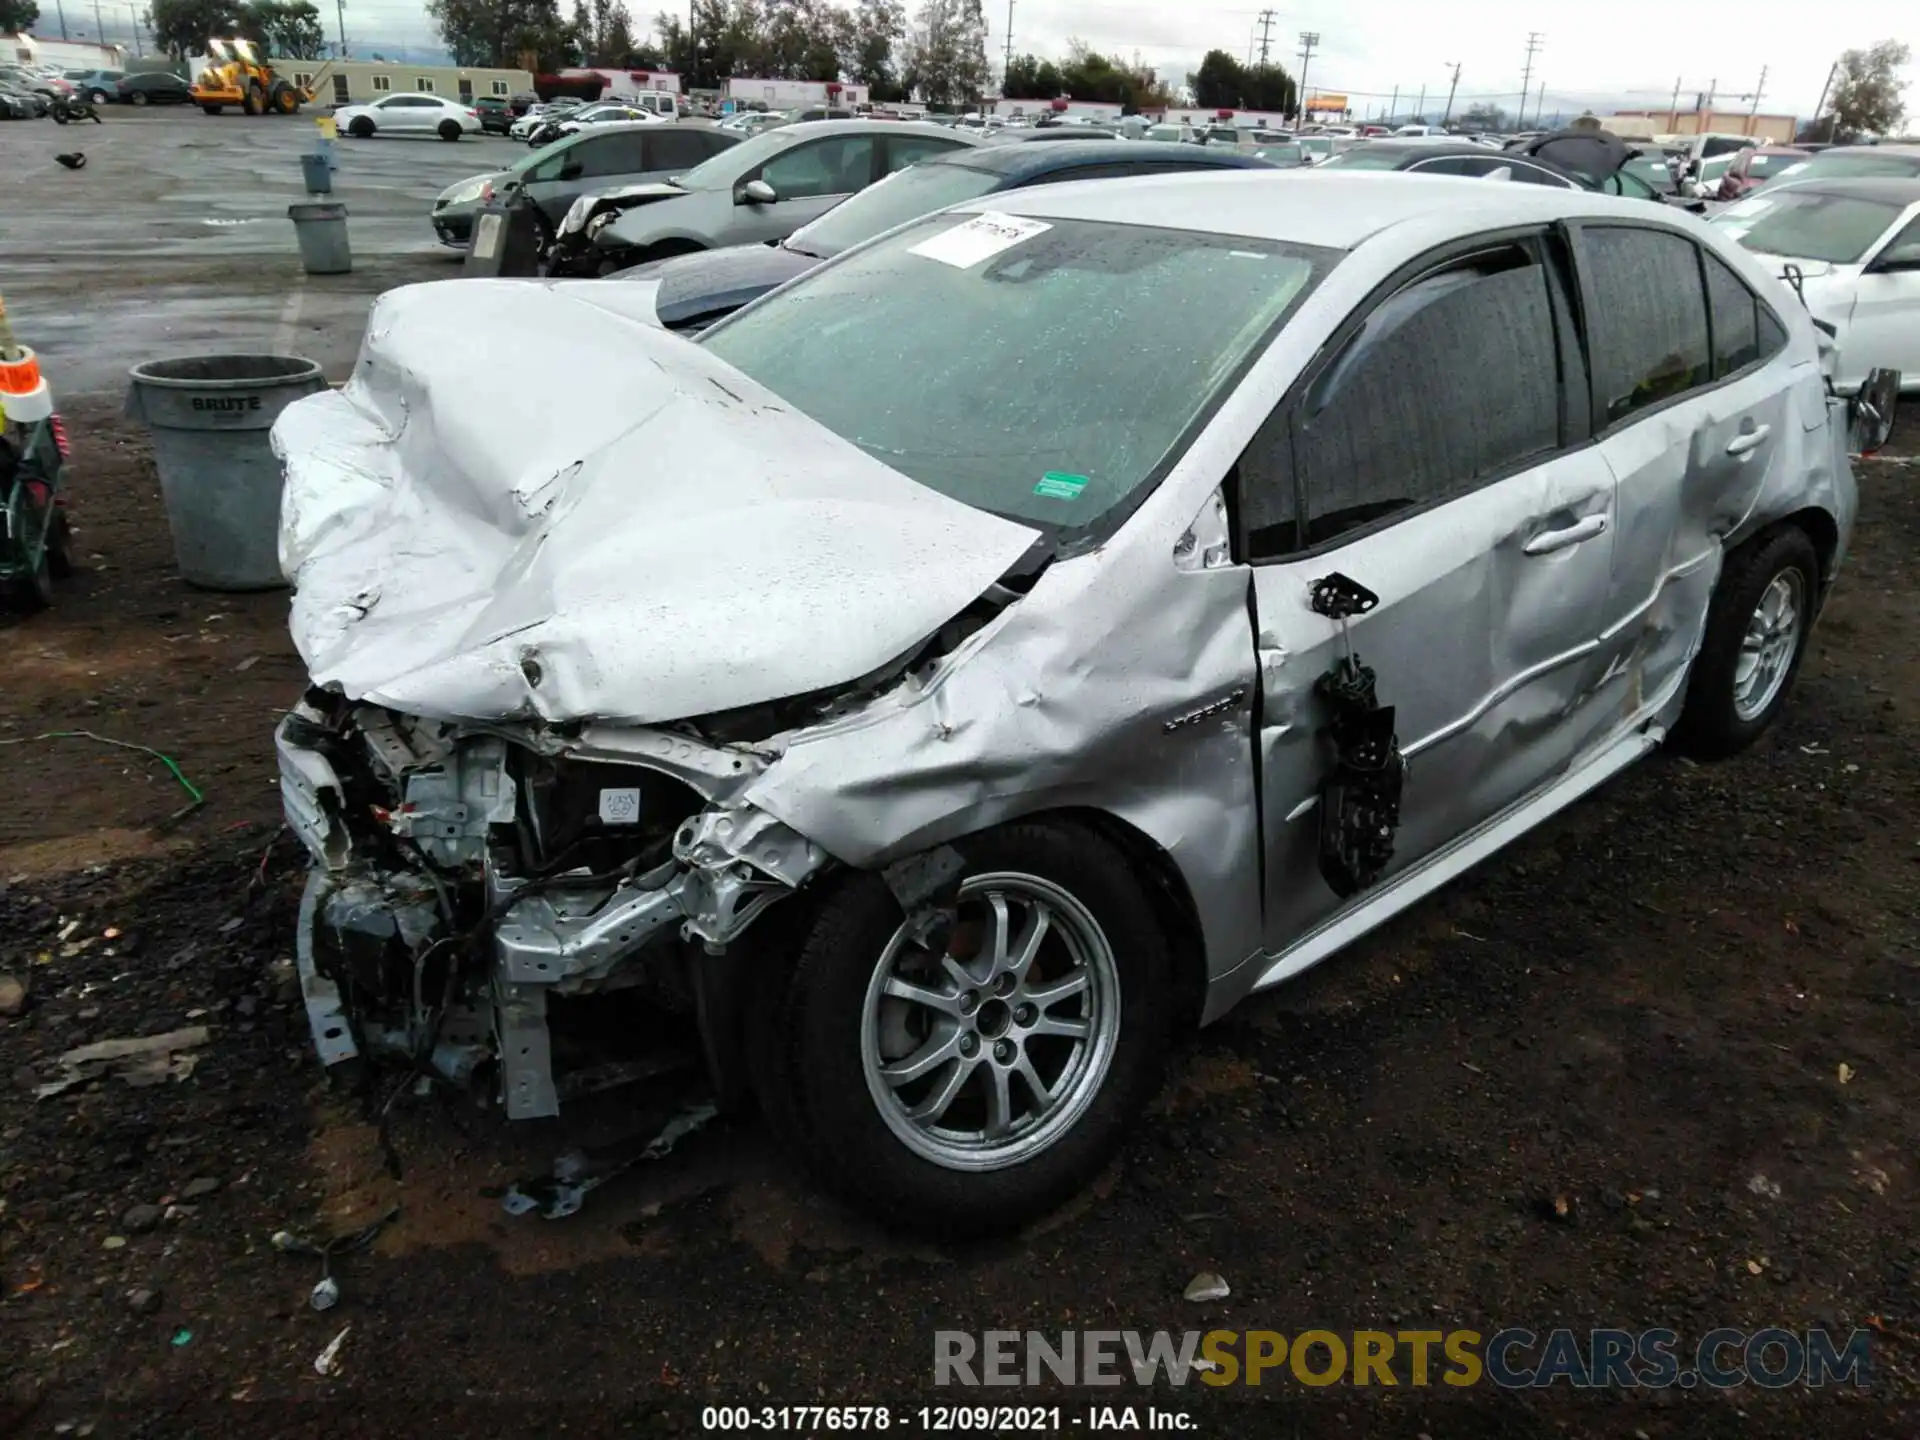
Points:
x=793, y=94
x=65, y=54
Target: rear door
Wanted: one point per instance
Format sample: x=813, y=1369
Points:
x=591, y=163
x=1692, y=404
x=1436, y=455
x=671, y=150
x=900, y=151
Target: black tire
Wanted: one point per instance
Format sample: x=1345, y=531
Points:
x=449, y=129
x=139, y=97
x=805, y=1043
x=60, y=546
x=59, y=117
x=1712, y=724
x=31, y=594
x=361, y=128
x=97, y=97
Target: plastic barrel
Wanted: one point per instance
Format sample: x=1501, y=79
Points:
x=317, y=171
x=322, y=232
x=209, y=416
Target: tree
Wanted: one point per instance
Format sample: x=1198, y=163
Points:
x=17, y=16
x=1217, y=83
x=287, y=28
x=1031, y=78
x=1269, y=87
x=501, y=32
x=878, y=28
x=614, y=43
x=1866, y=92
x=183, y=27
x=946, y=56
x=1484, y=116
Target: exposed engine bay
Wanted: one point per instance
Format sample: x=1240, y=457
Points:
x=465, y=884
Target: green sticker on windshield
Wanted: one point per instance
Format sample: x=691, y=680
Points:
x=1057, y=485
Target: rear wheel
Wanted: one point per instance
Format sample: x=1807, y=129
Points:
x=285, y=100
x=1756, y=634
x=449, y=129
x=97, y=97
x=210, y=109
x=970, y=1078
x=139, y=97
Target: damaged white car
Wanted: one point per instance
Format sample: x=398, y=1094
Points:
x=1018, y=639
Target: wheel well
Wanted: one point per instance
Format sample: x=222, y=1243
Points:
x=1819, y=527
x=1172, y=902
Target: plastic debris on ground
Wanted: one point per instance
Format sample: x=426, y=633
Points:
x=139, y=1060
x=327, y=1362
x=1208, y=1286
x=576, y=1172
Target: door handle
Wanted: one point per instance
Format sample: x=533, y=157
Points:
x=1748, y=440
x=1577, y=533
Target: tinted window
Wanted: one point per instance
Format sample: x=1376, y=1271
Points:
x=1533, y=175
x=675, y=149
x=836, y=166
x=1453, y=165
x=1736, y=319
x=1648, y=330
x=620, y=154
x=1452, y=380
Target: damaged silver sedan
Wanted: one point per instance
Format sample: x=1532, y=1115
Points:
x=1018, y=640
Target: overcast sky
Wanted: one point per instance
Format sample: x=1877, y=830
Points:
x=1601, y=56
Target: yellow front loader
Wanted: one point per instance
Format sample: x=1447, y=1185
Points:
x=235, y=76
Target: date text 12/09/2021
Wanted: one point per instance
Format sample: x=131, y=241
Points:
x=945, y=1419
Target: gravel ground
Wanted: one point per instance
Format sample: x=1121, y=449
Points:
x=1650, y=1067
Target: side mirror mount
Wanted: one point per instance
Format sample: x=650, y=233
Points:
x=755, y=192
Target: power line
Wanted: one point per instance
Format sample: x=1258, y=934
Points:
x=1534, y=38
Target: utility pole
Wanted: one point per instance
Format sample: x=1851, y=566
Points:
x=1308, y=39
x=61, y=7
x=1821, y=108
x=1706, y=108
x=1266, y=25
x=1534, y=38
x=1673, y=105
x=1009, y=60
x=139, y=47
x=1452, y=86
x=1393, y=105
x=340, y=13
x=1420, y=110
x=99, y=25
x=1754, y=109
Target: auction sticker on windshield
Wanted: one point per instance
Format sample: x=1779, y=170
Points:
x=979, y=239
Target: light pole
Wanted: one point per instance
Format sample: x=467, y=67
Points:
x=1451, y=87
x=1308, y=39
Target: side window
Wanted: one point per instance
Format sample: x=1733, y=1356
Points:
x=1533, y=175
x=597, y=156
x=838, y=165
x=1648, y=327
x=1902, y=252
x=1736, y=319
x=675, y=149
x=1399, y=418
x=1452, y=165
x=905, y=150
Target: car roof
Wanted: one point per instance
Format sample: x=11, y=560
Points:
x=1885, y=189
x=1327, y=207
x=805, y=129
x=1020, y=161
x=1423, y=148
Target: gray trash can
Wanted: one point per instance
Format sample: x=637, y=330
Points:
x=317, y=170
x=322, y=230
x=209, y=416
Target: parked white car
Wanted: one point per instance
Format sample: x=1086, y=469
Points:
x=1855, y=246
x=408, y=115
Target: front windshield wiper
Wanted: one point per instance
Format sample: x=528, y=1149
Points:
x=794, y=249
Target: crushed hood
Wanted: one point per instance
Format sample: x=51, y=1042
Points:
x=620, y=197
x=635, y=532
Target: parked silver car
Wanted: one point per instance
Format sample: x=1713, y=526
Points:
x=636, y=152
x=761, y=190
x=943, y=734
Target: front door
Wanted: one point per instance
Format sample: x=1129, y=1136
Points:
x=809, y=180
x=1884, y=333
x=1432, y=458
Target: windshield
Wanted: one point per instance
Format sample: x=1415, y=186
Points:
x=1281, y=154
x=1072, y=355
x=1165, y=132
x=1363, y=157
x=1845, y=164
x=1651, y=169
x=917, y=190
x=718, y=172
x=1792, y=223
x=1758, y=164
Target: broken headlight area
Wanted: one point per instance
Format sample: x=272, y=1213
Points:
x=484, y=909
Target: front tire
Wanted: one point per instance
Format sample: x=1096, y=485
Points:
x=361, y=128
x=1756, y=635
x=970, y=1084
x=449, y=130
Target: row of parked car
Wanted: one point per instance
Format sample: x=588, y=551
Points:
x=97, y=87
x=937, y=676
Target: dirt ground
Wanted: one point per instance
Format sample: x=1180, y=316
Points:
x=1684, y=1014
